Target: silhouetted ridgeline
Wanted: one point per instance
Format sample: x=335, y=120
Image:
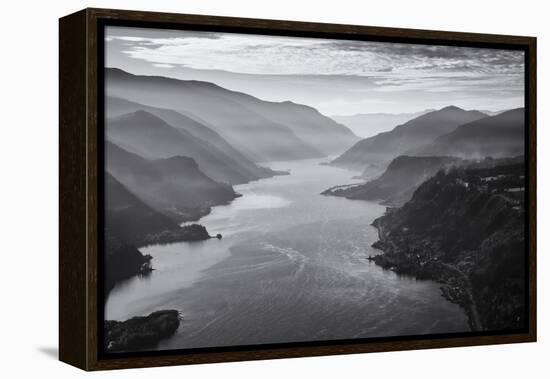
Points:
x=374, y=153
x=143, y=130
x=130, y=223
x=397, y=184
x=174, y=186
x=371, y=124
x=262, y=131
x=465, y=229
x=239, y=169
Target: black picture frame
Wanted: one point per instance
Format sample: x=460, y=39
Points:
x=82, y=181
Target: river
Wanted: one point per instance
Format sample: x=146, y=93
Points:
x=291, y=266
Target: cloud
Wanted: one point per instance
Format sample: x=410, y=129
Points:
x=392, y=72
x=163, y=65
x=257, y=54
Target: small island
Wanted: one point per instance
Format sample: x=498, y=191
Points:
x=140, y=332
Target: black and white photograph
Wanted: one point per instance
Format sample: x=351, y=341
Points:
x=267, y=189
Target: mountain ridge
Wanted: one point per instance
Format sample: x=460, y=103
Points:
x=398, y=182
x=496, y=136
x=190, y=123
x=382, y=148
x=175, y=186
x=238, y=117
x=367, y=125
x=150, y=136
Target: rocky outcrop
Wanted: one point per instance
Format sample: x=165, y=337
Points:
x=465, y=230
x=188, y=233
x=139, y=333
x=123, y=261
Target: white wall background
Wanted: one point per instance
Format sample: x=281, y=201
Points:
x=28, y=200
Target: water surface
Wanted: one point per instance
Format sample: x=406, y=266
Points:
x=291, y=267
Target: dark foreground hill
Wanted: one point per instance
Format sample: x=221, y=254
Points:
x=465, y=230
x=129, y=224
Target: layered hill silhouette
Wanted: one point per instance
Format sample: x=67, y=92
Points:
x=306, y=122
x=371, y=124
x=498, y=136
x=127, y=217
x=379, y=150
x=149, y=136
x=175, y=186
x=262, y=131
x=230, y=165
x=398, y=183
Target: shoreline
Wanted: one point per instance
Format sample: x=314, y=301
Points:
x=141, y=332
x=455, y=286
x=466, y=236
x=220, y=276
x=140, y=263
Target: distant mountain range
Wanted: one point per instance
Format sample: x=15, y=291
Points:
x=493, y=113
x=262, y=131
x=150, y=136
x=175, y=186
x=220, y=160
x=496, y=136
x=376, y=152
x=370, y=124
x=131, y=223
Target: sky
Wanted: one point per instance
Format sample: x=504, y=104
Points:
x=338, y=77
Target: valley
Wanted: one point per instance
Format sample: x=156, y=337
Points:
x=319, y=233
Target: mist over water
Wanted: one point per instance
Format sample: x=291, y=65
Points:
x=291, y=267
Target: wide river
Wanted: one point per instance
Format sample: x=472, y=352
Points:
x=291, y=266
